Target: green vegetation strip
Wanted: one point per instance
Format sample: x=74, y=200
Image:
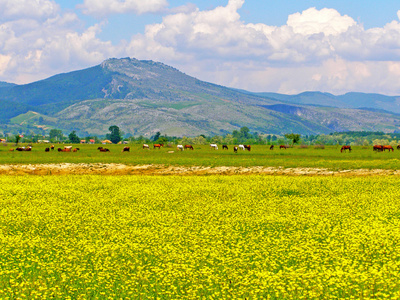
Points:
x=330, y=157
x=209, y=237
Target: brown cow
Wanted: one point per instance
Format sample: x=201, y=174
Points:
x=235, y=149
x=344, y=148
x=47, y=150
x=158, y=146
x=126, y=149
x=272, y=147
x=104, y=150
x=29, y=148
x=388, y=147
x=189, y=147
x=75, y=150
x=52, y=147
x=247, y=147
x=377, y=148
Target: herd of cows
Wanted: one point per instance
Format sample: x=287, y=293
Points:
x=378, y=148
x=190, y=147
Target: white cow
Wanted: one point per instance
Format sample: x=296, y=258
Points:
x=179, y=147
x=214, y=146
x=145, y=146
x=241, y=147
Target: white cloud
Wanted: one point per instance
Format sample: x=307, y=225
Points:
x=215, y=45
x=316, y=50
x=107, y=7
x=326, y=21
x=4, y=60
x=33, y=47
x=35, y=9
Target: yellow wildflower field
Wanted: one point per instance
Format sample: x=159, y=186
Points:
x=199, y=237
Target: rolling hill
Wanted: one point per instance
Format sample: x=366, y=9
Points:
x=375, y=102
x=143, y=97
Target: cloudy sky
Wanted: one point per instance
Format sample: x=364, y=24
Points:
x=283, y=46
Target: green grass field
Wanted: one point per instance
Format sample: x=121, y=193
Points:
x=199, y=237
x=330, y=157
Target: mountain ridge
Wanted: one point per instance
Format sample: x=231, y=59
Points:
x=143, y=97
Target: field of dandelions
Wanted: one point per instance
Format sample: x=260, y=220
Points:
x=199, y=237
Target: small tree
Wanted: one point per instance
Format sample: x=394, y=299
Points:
x=295, y=138
x=56, y=134
x=115, y=135
x=156, y=136
x=73, y=138
x=245, y=132
x=17, y=139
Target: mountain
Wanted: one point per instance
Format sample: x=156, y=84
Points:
x=349, y=100
x=143, y=97
x=6, y=84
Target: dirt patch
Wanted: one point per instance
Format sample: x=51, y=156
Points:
x=121, y=169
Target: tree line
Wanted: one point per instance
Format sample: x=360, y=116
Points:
x=241, y=136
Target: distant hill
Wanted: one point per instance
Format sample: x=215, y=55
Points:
x=349, y=100
x=143, y=97
x=6, y=84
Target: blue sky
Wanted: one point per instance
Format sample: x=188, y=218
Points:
x=284, y=46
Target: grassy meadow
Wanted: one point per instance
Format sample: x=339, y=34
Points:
x=330, y=157
x=199, y=237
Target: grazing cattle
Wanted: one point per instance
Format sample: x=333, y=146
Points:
x=241, y=147
x=388, y=147
x=189, y=147
x=145, y=146
x=47, y=150
x=52, y=147
x=104, y=150
x=247, y=147
x=68, y=147
x=398, y=147
x=99, y=148
x=11, y=150
x=158, y=146
x=283, y=147
x=75, y=150
x=64, y=150
x=272, y=147
x=29, y=148
x=224, y=147
x=344, y=148
x=377, y=148
x=179, y=147
x=235, y=149
x=126, y=149
x=214, y=146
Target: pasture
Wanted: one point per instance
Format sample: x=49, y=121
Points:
x=199, y=237
x=330, y=157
